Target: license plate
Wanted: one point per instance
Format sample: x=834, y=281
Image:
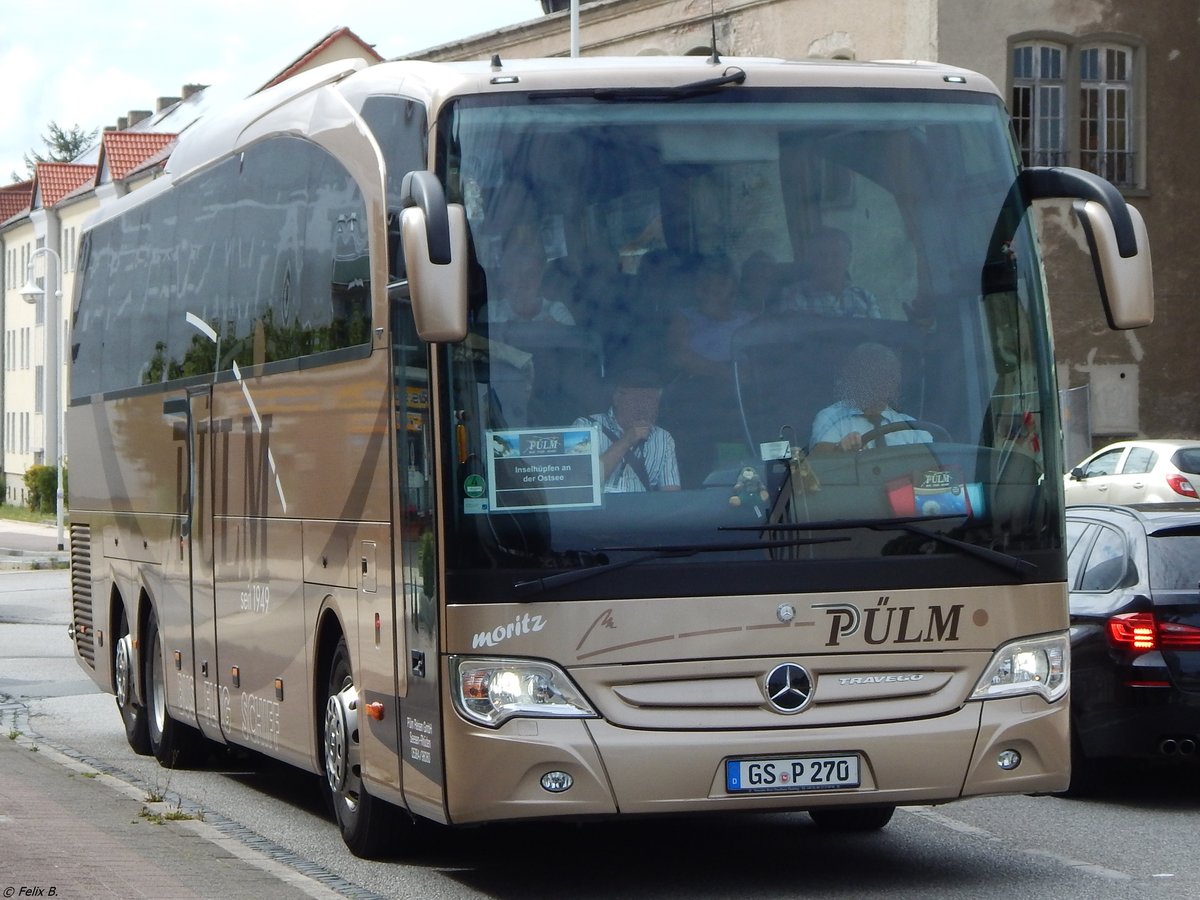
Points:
x=792, y=773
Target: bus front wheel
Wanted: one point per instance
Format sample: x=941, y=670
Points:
x=365, y=821
x=862, y=818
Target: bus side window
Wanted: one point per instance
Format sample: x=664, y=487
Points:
x=400, y=126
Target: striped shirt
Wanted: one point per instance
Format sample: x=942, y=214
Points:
x=657, y=454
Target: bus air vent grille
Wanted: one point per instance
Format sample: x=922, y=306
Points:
x=81, y=593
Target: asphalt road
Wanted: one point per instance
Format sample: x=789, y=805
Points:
x=1136, y=839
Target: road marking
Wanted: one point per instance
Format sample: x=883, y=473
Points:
x=945, y=821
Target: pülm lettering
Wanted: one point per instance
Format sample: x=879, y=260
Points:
x=886, y=624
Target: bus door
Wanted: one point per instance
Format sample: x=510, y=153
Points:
x=196, y=555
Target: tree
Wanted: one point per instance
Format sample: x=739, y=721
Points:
x=63, y=146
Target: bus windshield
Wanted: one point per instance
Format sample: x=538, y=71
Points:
x=727, y=344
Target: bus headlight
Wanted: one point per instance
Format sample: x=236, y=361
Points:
x=491, y=691
x=1029, y=666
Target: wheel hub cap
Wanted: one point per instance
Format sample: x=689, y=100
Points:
x=341, y=723
x=124, y=671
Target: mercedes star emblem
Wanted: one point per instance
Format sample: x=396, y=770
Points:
x=788, y=688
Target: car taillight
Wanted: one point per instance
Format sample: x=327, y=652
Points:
x=1142, y=631
x=1180, y=485
x=1133, y=631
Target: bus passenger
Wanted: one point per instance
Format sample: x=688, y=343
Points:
x=826, y=287
x=870, y=384
x=635, y=453
x=701, y=335
x=517, y=295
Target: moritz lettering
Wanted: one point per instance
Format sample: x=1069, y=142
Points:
x=522, y=624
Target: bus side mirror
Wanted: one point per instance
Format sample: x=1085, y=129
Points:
x=434, y=237
x=1126, y=282
x=1116, y=236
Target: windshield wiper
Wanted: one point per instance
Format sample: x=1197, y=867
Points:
x=667, y=551
x=1016, y=565
x=732, y=75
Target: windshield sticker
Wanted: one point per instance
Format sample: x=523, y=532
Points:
x=540, y=468
x=474, y=495
x=936, y=492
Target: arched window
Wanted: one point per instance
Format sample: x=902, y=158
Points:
x=1073, y=103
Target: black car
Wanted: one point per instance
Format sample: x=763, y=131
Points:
x=1134, y=578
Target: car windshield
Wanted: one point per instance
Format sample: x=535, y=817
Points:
x=696, y=325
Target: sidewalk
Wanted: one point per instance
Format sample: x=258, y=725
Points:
x=30, y=545
x=69, y=831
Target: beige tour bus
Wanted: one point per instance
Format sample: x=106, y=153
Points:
x=580, y=437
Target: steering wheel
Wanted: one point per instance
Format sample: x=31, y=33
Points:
x=875, y=434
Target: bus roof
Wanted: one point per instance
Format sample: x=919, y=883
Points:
x=289, y=105
x=438, y=82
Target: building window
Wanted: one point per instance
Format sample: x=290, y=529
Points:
x=1105, y=118
x=1072, y=103
x=1038, y=95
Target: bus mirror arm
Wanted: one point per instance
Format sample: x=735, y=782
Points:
x=1116, y=236
x=1056, y=182
x=424, y=191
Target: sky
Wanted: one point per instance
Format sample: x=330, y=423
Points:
x=88, y=63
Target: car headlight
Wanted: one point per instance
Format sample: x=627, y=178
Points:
x=1029, y=666
x=491, y=691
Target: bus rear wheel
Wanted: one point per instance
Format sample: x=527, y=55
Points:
x=133, y=714
x=173, y=744
x=365, y=821
x=862, y=818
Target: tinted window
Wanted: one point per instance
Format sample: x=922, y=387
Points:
x=1175, y=562
x=1078, y=538
x=269, y=249
x=1107, y=563
x=1139, y=461
x=1187, y=460
x=400, y=126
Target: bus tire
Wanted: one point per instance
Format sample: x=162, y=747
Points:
x=133, y=714
x=861, y=818
x=366, y=822
x=174, y=744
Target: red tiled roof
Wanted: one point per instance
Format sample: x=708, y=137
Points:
x=54, y=180
x=310, y=54
x=15, y=199
x=126, y=150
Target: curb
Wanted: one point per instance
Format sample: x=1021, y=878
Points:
x=33, y=559
x=309, y=879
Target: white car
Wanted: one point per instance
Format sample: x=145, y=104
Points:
x=1137, y=472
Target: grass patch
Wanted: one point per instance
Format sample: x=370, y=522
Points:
x=23, y=514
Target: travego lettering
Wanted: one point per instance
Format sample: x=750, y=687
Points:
x=880, y=679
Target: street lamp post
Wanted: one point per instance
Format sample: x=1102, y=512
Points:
x=52, y=404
